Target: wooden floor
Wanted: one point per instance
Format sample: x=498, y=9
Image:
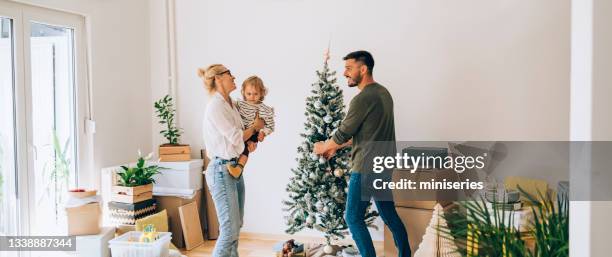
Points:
x=251, y=246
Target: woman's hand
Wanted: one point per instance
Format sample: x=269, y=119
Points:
x=251, y=146
x=261, y=136
x=258, y=123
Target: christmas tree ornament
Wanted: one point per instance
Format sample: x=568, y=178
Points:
x=312, y=176
x=322, y=160
x=328, y=119
x=326, y=55
x=319, y=205
x=338, y=172
x=310, y=220
x=318, y=104
x=307, y=196
x=314, y=156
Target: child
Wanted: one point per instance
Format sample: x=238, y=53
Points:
x=253, y=92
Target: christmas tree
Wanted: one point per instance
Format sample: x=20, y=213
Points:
x=319, y=186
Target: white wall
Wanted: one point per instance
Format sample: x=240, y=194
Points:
x=122, y=104
x=602, y=125
x=458, y=70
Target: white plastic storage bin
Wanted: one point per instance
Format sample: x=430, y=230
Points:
x=122, y=247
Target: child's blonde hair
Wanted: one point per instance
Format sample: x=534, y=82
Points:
x=258, y=84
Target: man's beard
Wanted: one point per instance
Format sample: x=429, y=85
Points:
x=356, y=81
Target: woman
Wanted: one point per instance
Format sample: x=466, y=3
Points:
x=224, y=139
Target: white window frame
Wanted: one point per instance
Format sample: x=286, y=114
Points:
x=22, y=15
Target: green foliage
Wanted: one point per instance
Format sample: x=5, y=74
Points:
x=496, y=237
x=165, y=112
x=550, y=226
x=317, y=197
x=57, y=170
x=140, y=175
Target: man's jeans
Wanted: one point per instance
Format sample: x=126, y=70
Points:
x=228, y=196
x=355, y=219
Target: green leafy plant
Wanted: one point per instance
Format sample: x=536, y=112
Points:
x=494, y=235
x=57, y=169
x=551, y=225
x=140, y=175
x=165, y=112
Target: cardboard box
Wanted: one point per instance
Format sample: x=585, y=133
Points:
x=128, y=213
x=174, y=149
x=175, y=157
x=132, y=190
x=171, y=204
x=415, y=221
x=135, y=194
x=212, y=223
x=120, y=198
x=424, y=199
x=84, y=220
x=174, y=153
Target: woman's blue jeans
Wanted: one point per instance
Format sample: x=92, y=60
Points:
x=228, y=196
x=355, y=219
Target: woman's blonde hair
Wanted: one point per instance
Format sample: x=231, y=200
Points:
x=208, y=75
x=258, y=84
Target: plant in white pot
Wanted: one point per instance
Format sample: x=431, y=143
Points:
x=135, y=184
x=172, y=150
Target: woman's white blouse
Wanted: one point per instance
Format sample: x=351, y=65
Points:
x=222, y=129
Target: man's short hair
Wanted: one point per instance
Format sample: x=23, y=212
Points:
x=364, y=57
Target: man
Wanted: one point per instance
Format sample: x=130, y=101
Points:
x=369, y=118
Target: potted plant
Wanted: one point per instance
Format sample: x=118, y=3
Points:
x=172, y=150
x=57, y=172
x=135, y=184
x=480, y=231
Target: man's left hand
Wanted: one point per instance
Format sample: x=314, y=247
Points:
x=329, y=153
x=319, y=148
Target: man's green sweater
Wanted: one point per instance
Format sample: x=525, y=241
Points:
x=369, y=118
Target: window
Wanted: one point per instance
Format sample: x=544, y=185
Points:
x=43, y=103
x=8, y=201
x=53, y=122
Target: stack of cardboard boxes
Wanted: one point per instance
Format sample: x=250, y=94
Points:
x=177, y=178
x=178, y=184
